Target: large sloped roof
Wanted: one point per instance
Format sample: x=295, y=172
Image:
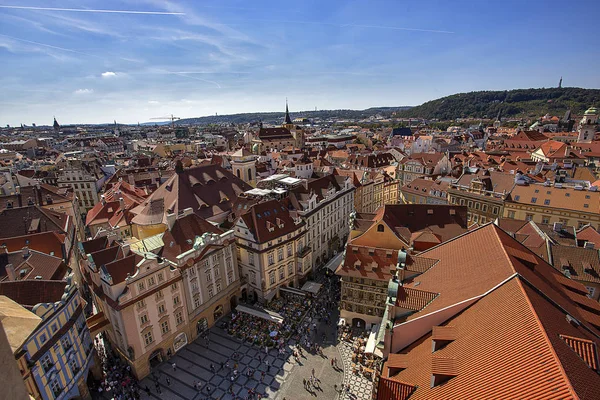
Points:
x=514, y=338
x=210, y=190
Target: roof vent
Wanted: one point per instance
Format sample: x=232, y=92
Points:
x=589, y=245
x=430, y=211
x=572, y=321
x=38, y=277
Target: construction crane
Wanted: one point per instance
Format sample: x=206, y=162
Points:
x=172, y=118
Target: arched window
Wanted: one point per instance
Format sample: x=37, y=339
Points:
x=249, y=174
x=238, y=174
x=380, y=228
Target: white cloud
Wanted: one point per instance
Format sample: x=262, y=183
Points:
x=84, y=91
x=108, y=74
x=153, y=102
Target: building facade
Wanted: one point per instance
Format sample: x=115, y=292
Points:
x=57, y=357
x=273, y=250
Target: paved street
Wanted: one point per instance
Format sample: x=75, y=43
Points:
x=282, y=379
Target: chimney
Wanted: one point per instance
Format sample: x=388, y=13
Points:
x=122, y=203
x=10, y=270
x=26, y=252
x=171, y=218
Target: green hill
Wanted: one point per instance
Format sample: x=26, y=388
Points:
x=277, y=117
x=513, y=103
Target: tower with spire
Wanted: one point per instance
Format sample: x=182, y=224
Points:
x=298, y=134
x=560, y=83
x=56, y=125
x=287, y=123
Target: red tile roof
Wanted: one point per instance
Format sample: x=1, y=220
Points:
x=31, y=292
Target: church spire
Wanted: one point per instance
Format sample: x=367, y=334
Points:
x=56, y=125
x=560, y=83
x=288, y=120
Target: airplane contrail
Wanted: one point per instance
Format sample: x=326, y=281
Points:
x=395, y=28
x=90, y=10
x=49, y=46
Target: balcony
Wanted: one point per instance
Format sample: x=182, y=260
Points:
x=303, y=252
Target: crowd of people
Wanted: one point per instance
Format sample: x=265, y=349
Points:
x=118, y=382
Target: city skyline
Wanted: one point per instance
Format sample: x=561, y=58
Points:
x=131, y=61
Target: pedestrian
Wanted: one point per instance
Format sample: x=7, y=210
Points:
x=174, y=366
x=157, y=388
x=267, y=349
x=304, y=381
x=227, y=365
x=335, y=387
x=168, y=381
x=332, y=362
x=313, y=372
x=212, y=368
x=147, y=390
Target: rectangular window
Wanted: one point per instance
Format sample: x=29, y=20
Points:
x=281, y=273
x=528, y=217
x=210, y=292
x=511, y=214
x=250, y=258
x=66, y=343
x=215, y=258
x=174, y=286
x=272, y=277
x=495, y=211
x=545, y=220
x=534, y=199
x=280, y=254
x=194, y=285
x=208, y=276
x=193, y=271
x=290, y=269
x=141, y=304
x=175, y=301
x=270, y=258
x=55, y=386
x=140, y=286
x=547, y=202
x=151, y=281
x=218, y=287
x=143, y=319
x=196, y=301
x=159, y=295
x=161, y=309
x=73, y=365
x=160, y=277
x=289, y=250
x=148, y=339
x=179, y=318
x=164, y=327
x=46, y=362
x=228, y=262
x=216, y=269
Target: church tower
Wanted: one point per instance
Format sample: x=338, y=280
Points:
x=287, y=123
x=298, y=134
x=587, y=126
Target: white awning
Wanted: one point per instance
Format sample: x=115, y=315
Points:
x=293, y=291
x=261, y=313
x=312, y=287
x=370, y=348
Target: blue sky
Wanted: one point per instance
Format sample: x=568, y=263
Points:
x=233, y=56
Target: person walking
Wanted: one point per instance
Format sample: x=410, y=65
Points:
x=304, y=381
x=174, y=367
x=168, y=381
